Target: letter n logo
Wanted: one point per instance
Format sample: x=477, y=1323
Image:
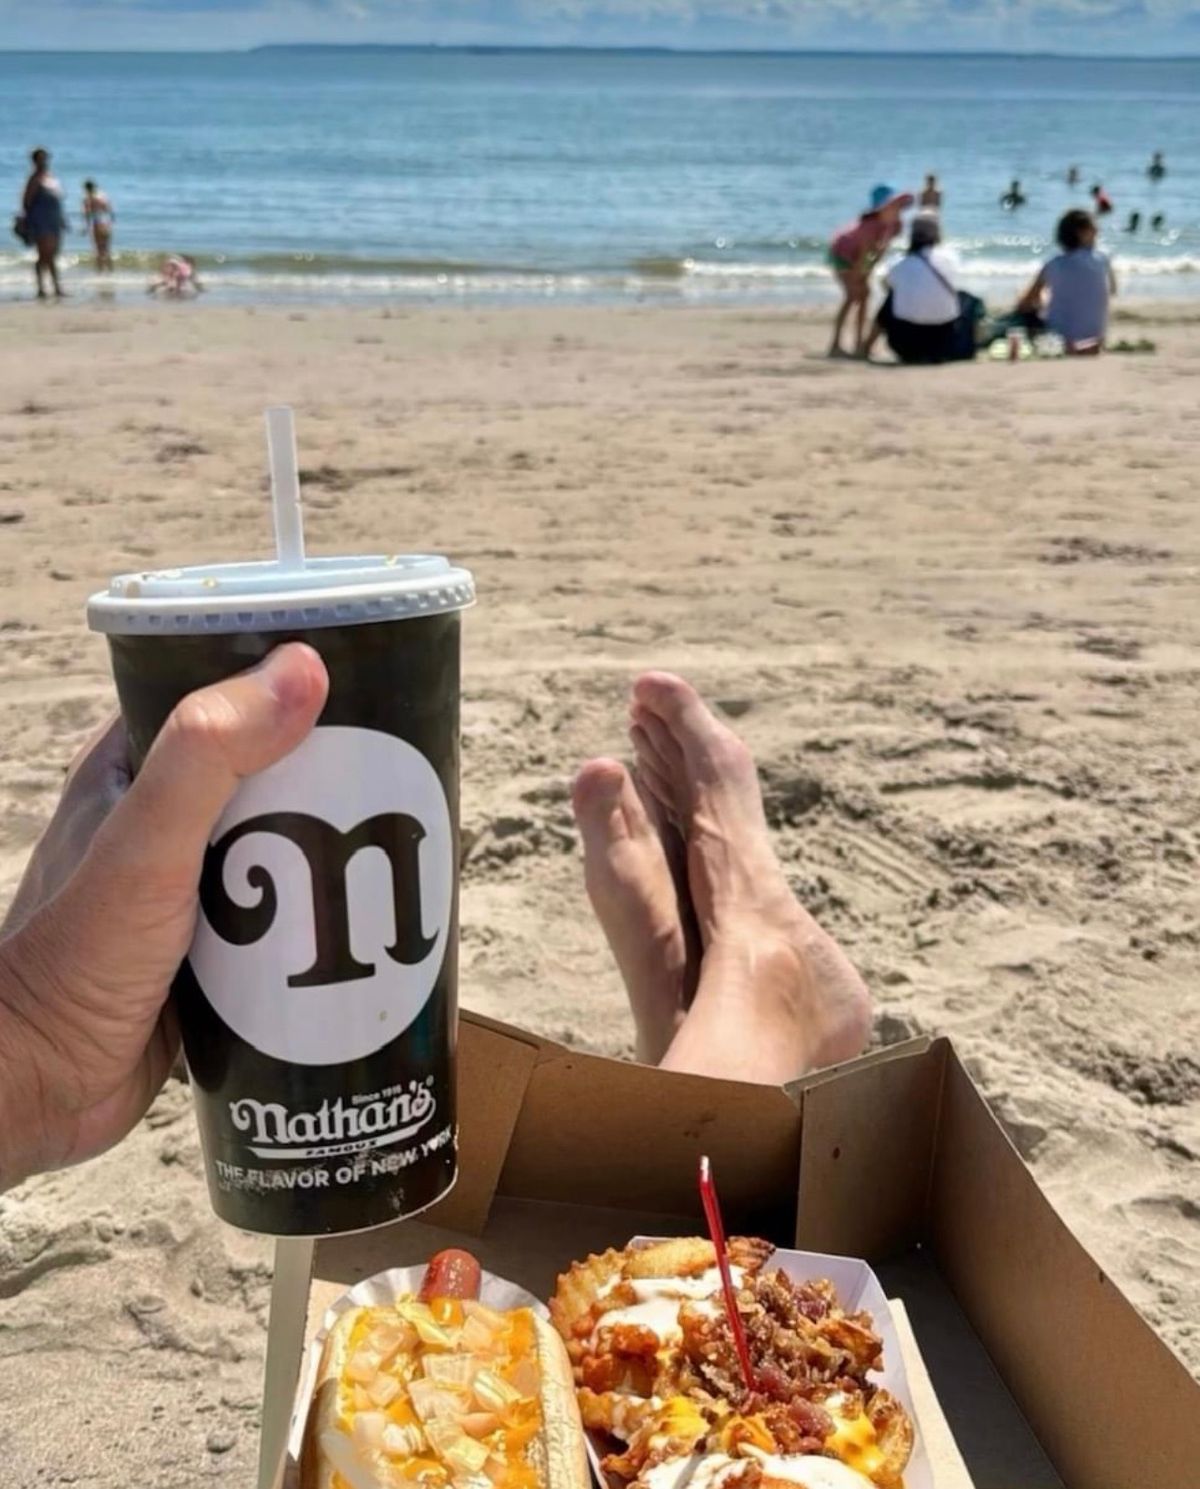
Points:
x=327, y=898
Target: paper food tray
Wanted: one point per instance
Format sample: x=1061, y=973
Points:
x=857, y=1287
x=856, y=1284
x=374, y=1292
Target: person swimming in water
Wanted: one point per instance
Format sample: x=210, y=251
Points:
x=1014, y=197
x=1157, y=168
x=98, y=219
x=1101, y=200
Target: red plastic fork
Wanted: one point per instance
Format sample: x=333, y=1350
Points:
x=712, y=1213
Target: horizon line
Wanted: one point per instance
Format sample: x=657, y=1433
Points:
x=502, y=48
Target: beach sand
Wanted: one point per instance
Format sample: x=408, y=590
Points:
x=952, y=610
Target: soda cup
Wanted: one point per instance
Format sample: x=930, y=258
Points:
x=318, y=1001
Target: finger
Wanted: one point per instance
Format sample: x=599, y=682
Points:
x=96, y=779
x=103, y=756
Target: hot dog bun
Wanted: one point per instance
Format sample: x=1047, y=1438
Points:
x=512, y=1396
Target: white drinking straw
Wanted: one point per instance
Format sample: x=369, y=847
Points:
x=285, y=488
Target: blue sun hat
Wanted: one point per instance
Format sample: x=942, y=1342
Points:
x=883, y=196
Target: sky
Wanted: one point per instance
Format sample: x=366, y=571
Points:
x=1145, y=27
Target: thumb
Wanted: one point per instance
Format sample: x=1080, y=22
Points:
x=212, y=740
x=133, y=899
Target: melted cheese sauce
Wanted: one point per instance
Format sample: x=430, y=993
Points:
x=659, y=1299
x=853, y=1439
x=814, y=1472
x=699, y=1471
x=370, y=1449
x=712, y=1470
x=705, y=1285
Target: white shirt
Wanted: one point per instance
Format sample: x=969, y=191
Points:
x=918, y=295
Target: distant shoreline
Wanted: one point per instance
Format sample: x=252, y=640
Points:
x=532, y=49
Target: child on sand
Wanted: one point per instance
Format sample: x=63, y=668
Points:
x=177, y=278
x=853, y=253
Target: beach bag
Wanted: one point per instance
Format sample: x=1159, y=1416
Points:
x=970, y=328
x=21, y=229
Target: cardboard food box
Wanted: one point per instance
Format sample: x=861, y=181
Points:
x=1028, y=1368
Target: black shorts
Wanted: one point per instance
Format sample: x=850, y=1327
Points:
x=917, y=344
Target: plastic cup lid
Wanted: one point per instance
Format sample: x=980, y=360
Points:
x=269, y=596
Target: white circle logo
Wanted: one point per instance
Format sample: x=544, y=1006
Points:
x=326, y=898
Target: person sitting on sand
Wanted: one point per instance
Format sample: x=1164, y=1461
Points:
x=1077, y=283
x=930, y=199
x=853, y=253
x=727, y=974
x=1014, y=197
x=177, y=278
x=98, y=220
x=45, y=222
x=921, y=314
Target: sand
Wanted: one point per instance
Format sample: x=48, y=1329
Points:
x=953, y=611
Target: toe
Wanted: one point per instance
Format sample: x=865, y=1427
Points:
x=651, y=769
x=672, y=699
x=657, y=741
x=654, y=783
x=632, y=803
x=597, y=798
x=688, y=742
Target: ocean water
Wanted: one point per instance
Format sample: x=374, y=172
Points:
x=326, y=174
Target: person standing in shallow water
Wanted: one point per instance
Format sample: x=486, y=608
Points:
x=98, y=219
x=45, y=221
x=930, y=199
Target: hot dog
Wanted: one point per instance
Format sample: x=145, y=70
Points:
x=451, y=1274
x=439, y=1391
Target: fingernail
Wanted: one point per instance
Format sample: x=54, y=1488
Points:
x=288, y=674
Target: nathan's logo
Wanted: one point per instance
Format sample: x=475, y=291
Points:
x=327, y=852
x=336, y=1127
x=326, y=898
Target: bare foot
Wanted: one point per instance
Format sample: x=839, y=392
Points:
x=634, y=889
x=777, y=995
